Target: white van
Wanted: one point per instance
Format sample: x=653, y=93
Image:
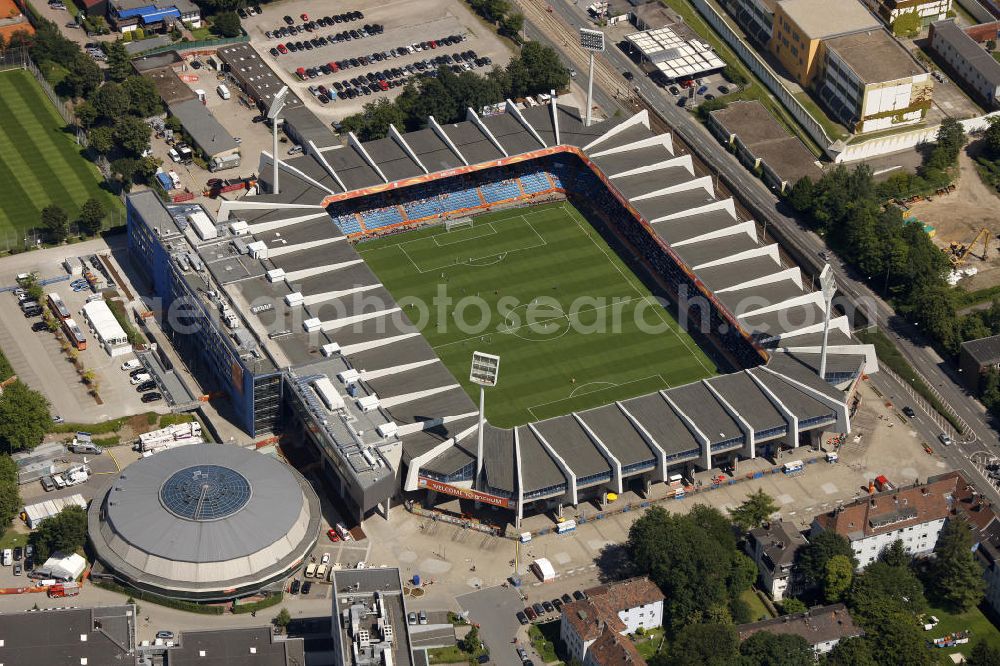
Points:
x=8, y=557
x=140, y=378
x=223, y=91
x=310, y=570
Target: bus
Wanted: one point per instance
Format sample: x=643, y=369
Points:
x=74, y=334
x=58, y=308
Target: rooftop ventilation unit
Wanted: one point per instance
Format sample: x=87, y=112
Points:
x=294, y=299
x=368, y=403
x=330, y=349
x=387, y=429
x=349, y=375
x=276, y=274
x=239, y=228
x=258, y=249
x=312, y=325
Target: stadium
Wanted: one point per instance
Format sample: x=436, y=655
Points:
x=326, y=274
x=203, y=523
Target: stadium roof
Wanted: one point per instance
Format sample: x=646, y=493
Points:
x=104, y=635
x=767, y=300
x=203, y=518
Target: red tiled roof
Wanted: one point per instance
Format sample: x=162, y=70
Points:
x=612, y=649
x=589, y=620
x=895, y=509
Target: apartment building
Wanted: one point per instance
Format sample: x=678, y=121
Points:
x=588, y=627
x=967, y=61
x=773, y=549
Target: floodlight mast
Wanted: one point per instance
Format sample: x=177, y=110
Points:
x=277, y=105
x=485, y=371
x=828, y=285
x=593, y=41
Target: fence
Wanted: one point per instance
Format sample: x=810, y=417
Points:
x=967, y=434
x=764, y=72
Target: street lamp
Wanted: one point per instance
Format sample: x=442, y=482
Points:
x=828, y=284
x=277, y=105
x=485, y=371
x=593, y=41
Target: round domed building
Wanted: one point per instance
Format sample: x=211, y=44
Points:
x=204, y=522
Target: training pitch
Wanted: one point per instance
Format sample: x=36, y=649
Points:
x=573, y=326
x=40, y=164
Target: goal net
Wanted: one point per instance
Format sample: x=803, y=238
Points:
x=457, y=223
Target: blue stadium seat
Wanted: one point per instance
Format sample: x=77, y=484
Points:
x=535, y=182
x=381, y=217
x=501, y=191
x=348, y=224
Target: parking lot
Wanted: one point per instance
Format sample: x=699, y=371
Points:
x=38, y=359
x=404, y=23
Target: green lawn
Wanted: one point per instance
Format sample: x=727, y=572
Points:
x=757, y=607
x=650, y=643
x=573, y=326
x=973, y=621
x=39, y=163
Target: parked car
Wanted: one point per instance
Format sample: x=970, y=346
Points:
x=86, y=447
x=39, y=326
x=332, y=534
x=579, y=596
x=132, y=364
x=411, y=618
x=140, y=378
x=538, y=608
x=566, y=599
x=48, y=485
x=294, y=589
x=306, y=587
x=145, y=386
x=165, y=635
x=18, y=570
x=18, y=552
x=138, y=371
x=151, y=397
x=530, y=612
x=521, y=617
x=422, y=617
x=909, y=411
x=325, y=559
x=547, y=605
x=945, y=439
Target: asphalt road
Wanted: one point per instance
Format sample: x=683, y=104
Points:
x=558, y=28
x=493, y=610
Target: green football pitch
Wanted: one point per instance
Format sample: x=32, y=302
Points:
x=39, y=163
x=573, y=326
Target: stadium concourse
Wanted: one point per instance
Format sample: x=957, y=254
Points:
x=391, y=417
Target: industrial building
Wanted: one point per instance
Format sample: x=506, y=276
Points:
x=673, y=57
x=148, y=15
x=977, y=359
x=204, y=522
x=258, y=646
x=216, y=144
x=928, y=10
x=85, y=636
x=842, y=53
x=265, y=293
x=967, y=61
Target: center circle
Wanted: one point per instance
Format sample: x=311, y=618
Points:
x=205, y=493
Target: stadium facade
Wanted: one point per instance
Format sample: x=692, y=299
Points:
x=281, y=329
x=204, y=522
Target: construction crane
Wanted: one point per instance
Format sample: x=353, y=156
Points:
x=960, y=252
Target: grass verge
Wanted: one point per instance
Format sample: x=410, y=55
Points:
x=888, y=353
x=974, y=621
x=543, y=639
x=757, y=607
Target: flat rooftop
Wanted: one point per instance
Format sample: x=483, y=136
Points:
x=820, y=19
x=365, y=602
x=875, y=56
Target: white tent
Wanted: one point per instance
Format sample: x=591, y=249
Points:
x=65, y=568
x=543, y=569
x=34, y=514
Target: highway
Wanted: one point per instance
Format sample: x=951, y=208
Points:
x=612, y=92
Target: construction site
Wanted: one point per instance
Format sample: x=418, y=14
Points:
x=964, y=224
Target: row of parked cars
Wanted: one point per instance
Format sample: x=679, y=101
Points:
x=309, y=44
x=142, y=380
x=13, y=557
x=309, y=25
x=373, y=82
x=376, y=57
x=540, y=609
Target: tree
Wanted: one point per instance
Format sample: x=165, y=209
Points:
x=66, y=532
x=84, y=76
x=227, y=24
x=101, y=139
x=132, y=134
x=705, y=108
x=734, y=75
x=55, y=222
x=766, y=649
x=754, y=511
x=882, y=589
x=957, y=578
x=907, y=24
x=839, y=573
x=811, y=558
x=282, y=619
x=704, y=644
x=111, y=102
x=537, y=70
x=991, y=138
x=471, y=641
x=10, y=498
x=984, y=654
x=895, y=554
x=374, y=120
x=24, y=417
x=119, y=66
x=791, y=605
x=512, y=24
x=143, y=100
x=92, y=215
x=85, y=113
x=801, y=195
x=853, y=651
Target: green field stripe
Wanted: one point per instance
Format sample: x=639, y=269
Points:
x=13, y=198
x=47, y=146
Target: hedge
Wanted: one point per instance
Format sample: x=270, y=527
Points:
x=188, y=606
x=135, y=338
x=6, y=371
x=266, y=602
